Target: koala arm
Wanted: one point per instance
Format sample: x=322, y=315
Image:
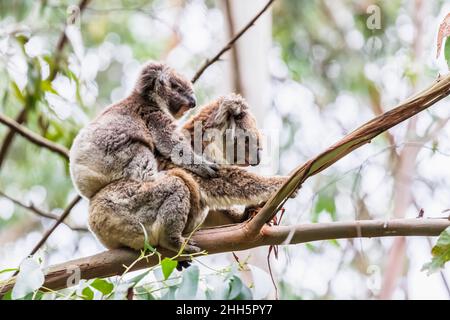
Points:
x=237, y=186
x=173, y=145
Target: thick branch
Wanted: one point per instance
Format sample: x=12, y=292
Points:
x=33, y=137
x=350, y=142
x=230, y=43
x=236, y=237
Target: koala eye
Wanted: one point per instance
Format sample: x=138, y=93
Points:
x=175, y=86
x=239, y=116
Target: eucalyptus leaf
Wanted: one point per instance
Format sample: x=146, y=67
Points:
x=262, y=283
x=8, y=270
x=235, y=287
x=167, y=266
x=189, y=284
x=87, y=293
x=447, y=51
x=102, y=285
x=29, y=279
x=440, y=252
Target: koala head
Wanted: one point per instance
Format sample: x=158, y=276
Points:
x=240, y=132
x=166, y=87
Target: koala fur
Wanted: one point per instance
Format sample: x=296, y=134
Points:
x=122, y=141
x=123, y=162
x=172, y=206
x=233, y=185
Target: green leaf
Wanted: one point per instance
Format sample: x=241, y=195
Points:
x=38, y=296
x=102, y=285
x=22, y=39
x=8, y=270
x=8, y=295
x=87, y=293
x=170, y=294
x=245, y=292
x=326, y=203
x=189, y=284
x=235, y=287
x=135, y=280
x=447, y=52
x=440, y=252
x=17, y=92
x=334, y=243
x=238, y=290
x=147, y=246
x=143, y=294
x=167, y=266
x=47, y=86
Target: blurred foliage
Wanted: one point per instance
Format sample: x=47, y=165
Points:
x=440, y=252
x=326, y=49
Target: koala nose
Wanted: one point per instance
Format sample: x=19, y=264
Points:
x=192, y=102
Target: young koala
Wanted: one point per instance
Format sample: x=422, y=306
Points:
x=122, y=141
x=171, y=207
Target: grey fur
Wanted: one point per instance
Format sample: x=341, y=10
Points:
x=124, y=162
x=122, y=141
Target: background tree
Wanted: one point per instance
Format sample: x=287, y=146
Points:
x=330, y=66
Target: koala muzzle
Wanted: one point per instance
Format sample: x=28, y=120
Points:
x=192, y=102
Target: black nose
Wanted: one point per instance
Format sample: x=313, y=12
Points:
x=192, y=102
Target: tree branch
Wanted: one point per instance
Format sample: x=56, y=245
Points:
x=230, y=43
x=53, y=228
x=40, y=212
x=235, y=62
x=22, y=116
x=362, y=135
x=57, y=223
x=34, y=137
x=237, y=237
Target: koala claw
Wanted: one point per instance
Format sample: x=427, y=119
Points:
x=184, y=264
x=189, y=249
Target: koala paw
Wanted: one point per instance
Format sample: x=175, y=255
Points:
x=184, y=264
x=206, y=170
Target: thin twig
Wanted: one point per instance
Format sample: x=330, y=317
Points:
x=57, y=223
x=443, y=278
x=33, y=137
x=230, y=43
x=22, y=116
x=53, y=228
x=363, y=135
x=40, y=212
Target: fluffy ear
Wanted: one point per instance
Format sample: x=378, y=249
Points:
x=149, y=77
x=227, y=107
x=234, y=104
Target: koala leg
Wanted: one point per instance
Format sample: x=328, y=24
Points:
x=175, y=216
x=120, y=211
x=236, y=186
x=220, y=217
